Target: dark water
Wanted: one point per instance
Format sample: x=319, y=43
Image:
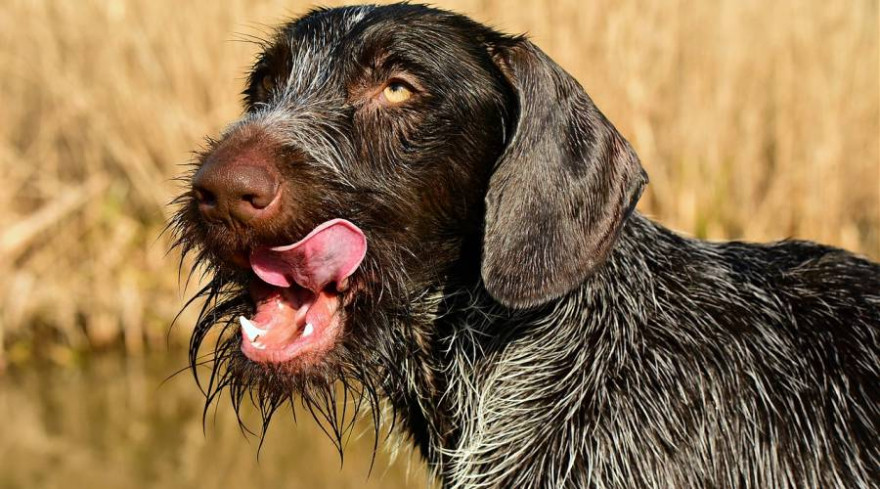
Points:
x=115, y=424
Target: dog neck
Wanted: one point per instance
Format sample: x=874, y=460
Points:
x=477, y=362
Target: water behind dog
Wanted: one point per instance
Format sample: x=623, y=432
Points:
x=117, y=423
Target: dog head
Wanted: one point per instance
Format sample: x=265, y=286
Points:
x=384, y=153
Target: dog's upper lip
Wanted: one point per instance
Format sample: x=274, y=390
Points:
x=240, y=259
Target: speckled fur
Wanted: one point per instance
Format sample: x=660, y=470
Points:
x=650, y=360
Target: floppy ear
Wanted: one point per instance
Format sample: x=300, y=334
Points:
x=561, y=191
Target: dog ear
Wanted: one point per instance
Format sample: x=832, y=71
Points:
x=562, y=189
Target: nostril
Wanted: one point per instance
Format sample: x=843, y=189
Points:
x=204, y=196
x=253, y=187
x=259, y=201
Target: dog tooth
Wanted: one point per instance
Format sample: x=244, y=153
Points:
x=308, y=330
x=250, y=329
x=258, y=345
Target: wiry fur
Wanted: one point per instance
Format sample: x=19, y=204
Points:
x=659, y=361
x=680, y=364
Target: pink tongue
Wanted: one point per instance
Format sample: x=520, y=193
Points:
x=330, y=253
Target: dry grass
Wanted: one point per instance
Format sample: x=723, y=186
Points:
x=755, y=120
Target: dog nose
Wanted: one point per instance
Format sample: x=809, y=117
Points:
x=228, y=191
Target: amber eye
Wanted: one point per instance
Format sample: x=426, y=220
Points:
x=397, y=92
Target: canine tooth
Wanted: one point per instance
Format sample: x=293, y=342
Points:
x=258, y=345
x=308, y=330
x=250, y=329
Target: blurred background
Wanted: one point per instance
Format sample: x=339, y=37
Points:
x=755, y=120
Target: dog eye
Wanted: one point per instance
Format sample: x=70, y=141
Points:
x=397, y=92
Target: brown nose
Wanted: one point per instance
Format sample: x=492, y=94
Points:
x=228, y=191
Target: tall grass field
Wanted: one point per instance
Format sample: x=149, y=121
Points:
x=755, y=120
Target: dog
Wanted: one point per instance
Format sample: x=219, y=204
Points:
x=419, y=213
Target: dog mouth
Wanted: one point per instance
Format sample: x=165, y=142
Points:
x=298, y=294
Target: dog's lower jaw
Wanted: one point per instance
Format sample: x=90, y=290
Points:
x=642, y=377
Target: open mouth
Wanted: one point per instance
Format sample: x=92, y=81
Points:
x=298, y=296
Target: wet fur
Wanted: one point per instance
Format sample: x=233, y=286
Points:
x=656, y=361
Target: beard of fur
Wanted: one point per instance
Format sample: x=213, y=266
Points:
x=346, y=384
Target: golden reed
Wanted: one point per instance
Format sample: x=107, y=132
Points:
x=754, y=120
